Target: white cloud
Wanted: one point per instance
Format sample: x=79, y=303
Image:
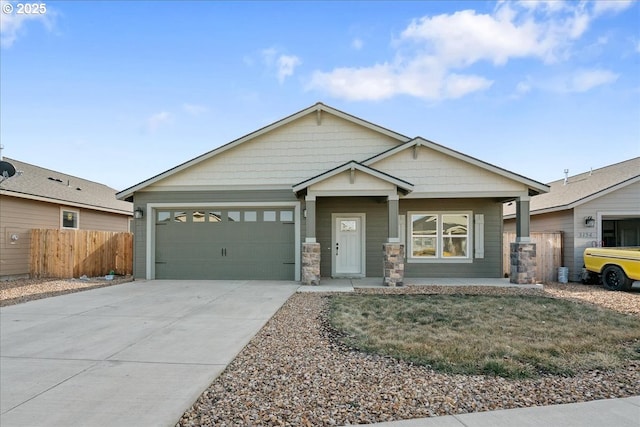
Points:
x=13, y=25
x=194, y=109
x=159, y=119
x=613, y=6
x=433, y=52
x=422, y=79
x=585, y=80
x=465, y=37
x=286, y=65
x=357, y=43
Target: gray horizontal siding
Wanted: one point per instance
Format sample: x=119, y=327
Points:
x=376, y=229
x=377, y=232
x=489, y=266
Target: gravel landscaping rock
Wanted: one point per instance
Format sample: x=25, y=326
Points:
x=294, y=373
x=23, y=290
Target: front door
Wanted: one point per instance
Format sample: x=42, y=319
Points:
x=348, y=246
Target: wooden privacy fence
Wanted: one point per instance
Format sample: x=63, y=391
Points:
x=548, y=254
x=73, y=253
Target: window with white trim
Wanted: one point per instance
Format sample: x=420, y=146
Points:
x=69, y=218
x=435, y=235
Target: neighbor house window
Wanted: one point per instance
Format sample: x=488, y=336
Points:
x=69, y=218
x=439, y=235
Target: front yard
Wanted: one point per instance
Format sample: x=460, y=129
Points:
x=299, y=370
x=513, y=336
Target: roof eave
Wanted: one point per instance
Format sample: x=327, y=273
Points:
x=20, y=195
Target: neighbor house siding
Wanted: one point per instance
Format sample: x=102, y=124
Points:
x=190, y=199
x=622, y=202
x=104, y=221
x=20, y=216
x=489, y=266
x=286, y=155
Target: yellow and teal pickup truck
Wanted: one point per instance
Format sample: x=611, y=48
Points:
x=617, y=267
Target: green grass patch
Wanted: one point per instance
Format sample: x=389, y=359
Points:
x=507, y=336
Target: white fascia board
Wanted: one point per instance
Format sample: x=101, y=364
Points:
x=217, y=188
x=465, y=195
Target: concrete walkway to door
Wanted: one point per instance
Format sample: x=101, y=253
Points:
x=134, y=354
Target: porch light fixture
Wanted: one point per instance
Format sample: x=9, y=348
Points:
x=138, y=213
x=589, y=221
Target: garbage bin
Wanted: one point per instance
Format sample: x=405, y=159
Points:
x=563, y=274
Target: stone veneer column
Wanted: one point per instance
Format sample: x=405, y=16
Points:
x=523, y=263
x=310, y=263
x=393, y=264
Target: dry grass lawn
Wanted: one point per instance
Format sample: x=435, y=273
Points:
x=517, y=336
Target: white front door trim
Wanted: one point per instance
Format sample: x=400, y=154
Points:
x=354, y=270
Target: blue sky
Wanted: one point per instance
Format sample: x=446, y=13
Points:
x=119, y=91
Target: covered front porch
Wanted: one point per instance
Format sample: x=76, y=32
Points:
x=360, y=224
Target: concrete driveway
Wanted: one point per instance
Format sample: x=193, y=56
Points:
x=134, y=354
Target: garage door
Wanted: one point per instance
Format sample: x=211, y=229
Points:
x=225, y=244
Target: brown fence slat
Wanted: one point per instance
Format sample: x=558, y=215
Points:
x=73, y=253
x=548, y=254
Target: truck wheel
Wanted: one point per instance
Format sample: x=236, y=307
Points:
x=613, y=278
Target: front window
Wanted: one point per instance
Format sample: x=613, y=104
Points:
x=439, y=235
x=69, y=218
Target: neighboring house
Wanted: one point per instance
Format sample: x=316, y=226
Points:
x=596, y=208
x=323, y=182
x=42, y=198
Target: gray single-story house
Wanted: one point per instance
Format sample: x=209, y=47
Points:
x=322, y=193
x=600, y=207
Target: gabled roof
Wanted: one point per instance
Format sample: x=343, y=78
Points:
x=535, y=187
x=583, y=188
x=46, y=185
x=317, y=108
x=403, y=185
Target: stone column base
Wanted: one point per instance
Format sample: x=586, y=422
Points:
x=310, y=264
x=393, y=264
x=523, y=263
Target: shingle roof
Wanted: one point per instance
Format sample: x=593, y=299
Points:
x=57, y=187
x=582, y=187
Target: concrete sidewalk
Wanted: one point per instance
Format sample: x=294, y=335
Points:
x=135, y=354
x=598, y=413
